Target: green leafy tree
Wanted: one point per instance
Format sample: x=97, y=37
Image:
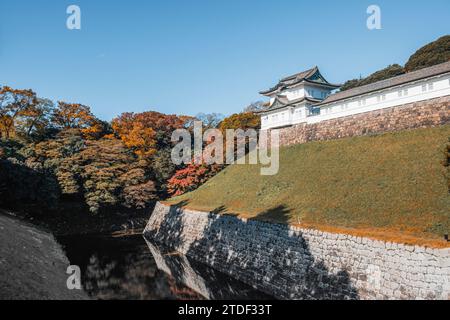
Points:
x=350, y=84
x=386, y=73
x=433, y=53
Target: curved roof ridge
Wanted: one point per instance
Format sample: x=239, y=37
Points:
x=301, y=75
x=296, y=79
x=284, y=104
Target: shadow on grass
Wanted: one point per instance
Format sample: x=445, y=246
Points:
x=278, y=214
x=219, y=210
x=181, y=204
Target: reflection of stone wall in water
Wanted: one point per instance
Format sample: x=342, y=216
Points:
x=119, y=268
x=202, y=279
x=293, y=263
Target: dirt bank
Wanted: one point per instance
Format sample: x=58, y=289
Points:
x=32, y=264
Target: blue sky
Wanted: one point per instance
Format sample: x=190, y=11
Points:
x=191, y=56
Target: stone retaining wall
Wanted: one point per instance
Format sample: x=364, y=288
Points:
x=294, y=263
x=422, y=114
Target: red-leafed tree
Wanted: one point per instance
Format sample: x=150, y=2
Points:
x=190, y=178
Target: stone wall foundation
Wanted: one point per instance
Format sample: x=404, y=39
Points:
x=292, y=263
x=422, y=114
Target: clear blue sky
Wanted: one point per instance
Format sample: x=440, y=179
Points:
x=191, y=56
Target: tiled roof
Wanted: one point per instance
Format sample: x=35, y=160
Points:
x=301, y=75
x=392, y=82
x=282, y=102
x=295, y=79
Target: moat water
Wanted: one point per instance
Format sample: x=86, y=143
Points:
x=129, y=267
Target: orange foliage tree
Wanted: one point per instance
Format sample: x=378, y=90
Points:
x=13, y=104
x=146, y=132
x=78, y=116
x=245, y=120
x=35, y=119
x=72, y=116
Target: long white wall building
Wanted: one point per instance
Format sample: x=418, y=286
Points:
x=307, y=97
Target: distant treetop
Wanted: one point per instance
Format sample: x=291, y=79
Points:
x=432, y=54
x=386, y=73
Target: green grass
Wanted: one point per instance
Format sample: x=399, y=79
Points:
x=395, y=184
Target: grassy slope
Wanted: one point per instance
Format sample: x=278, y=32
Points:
x=393, y=185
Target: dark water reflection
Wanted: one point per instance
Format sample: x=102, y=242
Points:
x=131, y=268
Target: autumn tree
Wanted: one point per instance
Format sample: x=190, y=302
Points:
x=25, y=184
x=244, y=121
x=162, y=168
x=35, y=121
x=13, y=104
x=97, y=130
x=52, y=155
x=72, y=116
x=190, y=178
x=146, y=132
x=109, y=176
x=78, y=116
x=103, y=173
